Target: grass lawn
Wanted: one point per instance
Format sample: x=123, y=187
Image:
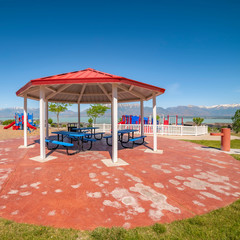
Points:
x=221, y=224
x=217, y=144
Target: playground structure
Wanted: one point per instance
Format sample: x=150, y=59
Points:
x=18, y=124
x=170, y=120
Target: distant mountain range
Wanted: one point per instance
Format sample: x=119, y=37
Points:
x=223, y=111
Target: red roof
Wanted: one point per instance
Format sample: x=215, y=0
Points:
x=85, y=76
x=87, y=73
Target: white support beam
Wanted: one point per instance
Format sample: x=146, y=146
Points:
x=131, y=88
x=111, y=116
x=25, y=120
x=105, y=92
x=154, y=123
x=81, y=93
x=58, y=91
x=114, y=123
x=42, y=123
x=78, y=115
x=47, y=129
x=28, y=90
x=50, y=89
x=139, y=95
x=70, y=93
x=142, y=117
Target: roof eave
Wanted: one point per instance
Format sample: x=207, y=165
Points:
x=38, y=82
x=24, y=88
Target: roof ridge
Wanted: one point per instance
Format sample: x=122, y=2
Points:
x=97, y=71
x=79, y=71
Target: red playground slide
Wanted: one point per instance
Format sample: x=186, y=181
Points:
x=8, y=126
x=31, y=126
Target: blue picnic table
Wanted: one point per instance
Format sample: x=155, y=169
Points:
x=77, y=136
x=81, y=129
x=93, y=132
x=129, y=132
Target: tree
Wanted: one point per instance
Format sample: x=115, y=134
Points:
x=236, y=121
x=90, y=121
x=57, y=108
x=198, y=120
x=96, y=110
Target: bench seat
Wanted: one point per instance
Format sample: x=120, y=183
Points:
x=89, y=139
x=65, y=144
x=88, y=135
x=110, y=136
x=133, y=140
x=92, y=134
x=136, y=138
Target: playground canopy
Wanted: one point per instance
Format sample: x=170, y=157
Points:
x=87, y=86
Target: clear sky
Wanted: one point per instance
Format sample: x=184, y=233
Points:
x=191, y=48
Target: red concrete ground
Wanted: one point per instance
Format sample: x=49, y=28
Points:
x=81, y=192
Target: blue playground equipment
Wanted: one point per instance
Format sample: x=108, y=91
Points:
x=19, y=122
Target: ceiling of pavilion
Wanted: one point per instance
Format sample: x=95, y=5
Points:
x=88, y=86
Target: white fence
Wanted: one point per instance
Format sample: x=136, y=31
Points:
x=177, y=130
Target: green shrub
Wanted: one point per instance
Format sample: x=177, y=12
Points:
x=53, y=125
x=90, y=121
x=64, y=125
x=7, y=122
x=37, y=122
x=50, y=121
x=236, y=121
x=198, y=121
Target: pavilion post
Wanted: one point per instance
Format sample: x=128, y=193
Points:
x=25, y=121
x=47, y=128
x=114, y=123
x=111, y=117
x=142, y=117
x=154, y=123
x=42, y=122
x=78, y=115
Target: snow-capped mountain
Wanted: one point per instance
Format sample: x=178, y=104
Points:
x=223, y=110
x=237, y=105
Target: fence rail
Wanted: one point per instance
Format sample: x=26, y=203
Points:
x=177, y=130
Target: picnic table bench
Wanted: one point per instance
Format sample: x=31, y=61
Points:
x=129, y=138
x=57, y=143
x=133, y=140
x=88, y=135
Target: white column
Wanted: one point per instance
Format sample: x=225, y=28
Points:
x=154, y=123
x=46, y=109
x=42, y=123
x=25, y=121
x=111, y=117
x=142, y=117
x=78, y=115
x=114, y=123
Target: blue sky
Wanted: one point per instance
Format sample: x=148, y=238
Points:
x=191, y=48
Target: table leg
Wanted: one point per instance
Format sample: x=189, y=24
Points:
x=82, y=143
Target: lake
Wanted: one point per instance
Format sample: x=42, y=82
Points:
x=108, y=120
